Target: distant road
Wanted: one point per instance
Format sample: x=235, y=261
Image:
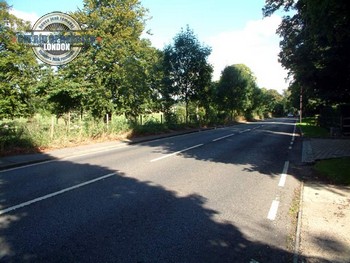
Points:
x=216, y=196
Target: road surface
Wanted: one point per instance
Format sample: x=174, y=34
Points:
x=216, y=196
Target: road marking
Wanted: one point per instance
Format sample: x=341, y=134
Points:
x=36, y=200
x=283, y=178
x=273, y=210
x=218, y=139
x=175, y=153
x=99, y=150
x=244, y=131
x=28, y=165
x=293, y=136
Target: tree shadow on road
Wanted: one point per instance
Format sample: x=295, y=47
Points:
x=121, y=219
x=264, y=153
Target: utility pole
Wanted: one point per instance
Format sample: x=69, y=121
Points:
x=301, y=105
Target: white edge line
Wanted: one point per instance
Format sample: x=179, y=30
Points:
x=223, y=137
x=28, y=165
x=174, y=153
x=9, y=209
x=273, y=210
x=110, y=148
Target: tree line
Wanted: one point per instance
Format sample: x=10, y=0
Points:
x=124, y=75
x=315, y=50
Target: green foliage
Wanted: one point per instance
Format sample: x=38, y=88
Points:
x=118, y=72
x=315, y=48
x=311, y=128
x=121, y=76
x=273, y=102
x=186, y=71
x=329, y=117
x=14, y=135
x=150, y=127
x=235, y=89
x=336, y=170
x=18, y=68
x=41, y=132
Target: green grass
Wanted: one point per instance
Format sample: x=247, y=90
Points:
x=310, y=128
x=336, y=170
x=40, y=132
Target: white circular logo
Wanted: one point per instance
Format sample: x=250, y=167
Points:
x=56, y=38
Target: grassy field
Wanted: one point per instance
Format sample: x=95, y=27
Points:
x=336, y=170
x=310, y=128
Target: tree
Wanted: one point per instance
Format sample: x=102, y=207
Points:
x=274, y=102
x=235, y=89
x=257, y=106
x=186, y=70
x=18, y=68
x=314, y=47
x=116, y=70
x=138, y=92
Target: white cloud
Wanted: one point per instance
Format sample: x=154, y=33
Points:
x=257, y=46
x=31, y=17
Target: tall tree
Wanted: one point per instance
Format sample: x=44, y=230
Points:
x=273, y=102
x=186, y=69
x=315, y=47
x=116, y=69
x=18, y=68
x=235, y=89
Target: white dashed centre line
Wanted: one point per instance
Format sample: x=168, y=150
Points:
x=273, y=210
x=245, y=131
x=283, y=178
x=223, y=137
x=175, y=153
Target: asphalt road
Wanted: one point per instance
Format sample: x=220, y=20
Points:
x=216, y=196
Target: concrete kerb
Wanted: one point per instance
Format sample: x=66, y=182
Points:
x=298, y=230
x=296, y=253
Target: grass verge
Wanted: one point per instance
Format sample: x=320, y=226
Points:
x=335, y=170
x=310, y=128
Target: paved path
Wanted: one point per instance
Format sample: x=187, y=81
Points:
x=325, y=235
x=325, y=228
x=319, y=149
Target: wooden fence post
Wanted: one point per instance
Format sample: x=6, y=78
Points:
x=52, y=127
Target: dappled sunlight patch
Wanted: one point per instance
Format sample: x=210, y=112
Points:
x=5, y=244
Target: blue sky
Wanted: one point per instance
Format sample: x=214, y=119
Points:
x=233, y=28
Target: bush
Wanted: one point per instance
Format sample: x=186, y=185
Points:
x=14, y=135
x=150, y=127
